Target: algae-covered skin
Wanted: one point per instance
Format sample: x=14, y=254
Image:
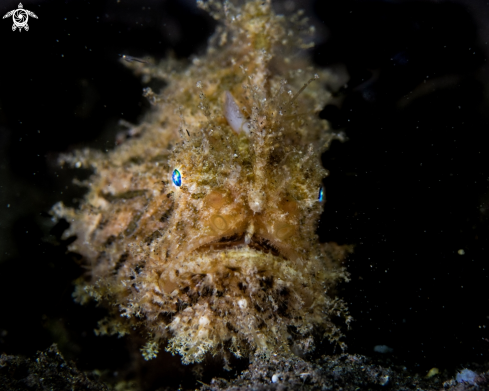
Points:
x=199, y=232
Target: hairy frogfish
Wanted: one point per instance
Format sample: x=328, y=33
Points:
x=199, y=231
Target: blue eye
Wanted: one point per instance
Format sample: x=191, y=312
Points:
x=176, y=177
x=321, y=194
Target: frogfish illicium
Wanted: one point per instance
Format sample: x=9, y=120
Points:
x=199, y=231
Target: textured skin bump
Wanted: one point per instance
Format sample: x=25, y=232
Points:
x=229, y=260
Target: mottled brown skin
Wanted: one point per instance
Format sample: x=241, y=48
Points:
x=230, y=259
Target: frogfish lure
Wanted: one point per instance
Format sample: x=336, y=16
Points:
x=199, y=232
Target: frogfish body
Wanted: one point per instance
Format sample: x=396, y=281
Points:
x=199, y=232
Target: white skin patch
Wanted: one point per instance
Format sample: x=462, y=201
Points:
x=204, y=321
x=242, y=303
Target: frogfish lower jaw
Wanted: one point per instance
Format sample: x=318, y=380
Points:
x=254, y=236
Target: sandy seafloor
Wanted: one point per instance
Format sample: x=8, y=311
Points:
x=410, y=189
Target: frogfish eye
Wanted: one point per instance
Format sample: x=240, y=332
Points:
x=176, y=177
x=321, y=194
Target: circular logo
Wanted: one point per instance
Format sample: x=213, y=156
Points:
x=20, y=17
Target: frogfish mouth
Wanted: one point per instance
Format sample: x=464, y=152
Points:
x=199, y=231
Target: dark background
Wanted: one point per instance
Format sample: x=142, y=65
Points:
x=410, y=187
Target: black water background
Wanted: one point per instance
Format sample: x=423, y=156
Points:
x=409, y=188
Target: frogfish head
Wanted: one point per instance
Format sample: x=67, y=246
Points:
x=245, y=184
